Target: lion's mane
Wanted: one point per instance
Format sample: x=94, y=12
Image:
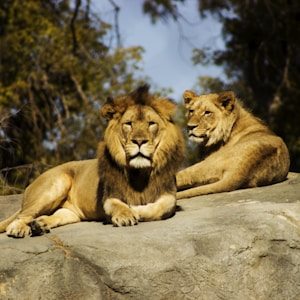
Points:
x=144, y=185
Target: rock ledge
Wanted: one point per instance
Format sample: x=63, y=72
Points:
x=239, y=245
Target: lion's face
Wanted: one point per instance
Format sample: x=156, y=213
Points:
x=142, y=135
x=141, y=131
x=210, y=117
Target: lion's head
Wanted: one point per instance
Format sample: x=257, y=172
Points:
x=210, y=117
x=140, y=132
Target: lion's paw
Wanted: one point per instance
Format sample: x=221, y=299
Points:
x=38, y=228
x=18, y=229
x=125, y=217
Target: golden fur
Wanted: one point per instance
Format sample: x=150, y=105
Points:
x=133, y=178
x=238, y=150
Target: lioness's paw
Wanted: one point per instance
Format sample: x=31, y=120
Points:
x=18, y=229
x=125, y=217
x=38, y=228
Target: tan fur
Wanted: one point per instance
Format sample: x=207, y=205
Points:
x=238, y=150
x=133, y=178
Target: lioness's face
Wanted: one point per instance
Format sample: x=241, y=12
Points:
x=203, y=118
x=210, y=117
x=141, y=128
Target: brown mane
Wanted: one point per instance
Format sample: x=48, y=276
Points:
x=135, y=186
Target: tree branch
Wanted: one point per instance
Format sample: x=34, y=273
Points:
x=117, y=10
x=79, y=90
x=73, y=27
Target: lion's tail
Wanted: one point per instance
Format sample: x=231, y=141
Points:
x=6, y=222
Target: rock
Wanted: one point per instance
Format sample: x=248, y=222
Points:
x=239, y=245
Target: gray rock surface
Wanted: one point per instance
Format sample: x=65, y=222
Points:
x=239, y=245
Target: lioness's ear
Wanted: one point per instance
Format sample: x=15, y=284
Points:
x=227, y=100
x=188, y=96
x=108, y=109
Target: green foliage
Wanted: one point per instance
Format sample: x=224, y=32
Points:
x=57, y=68
x=161, y=9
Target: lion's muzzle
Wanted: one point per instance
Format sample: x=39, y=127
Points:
x=139, y=155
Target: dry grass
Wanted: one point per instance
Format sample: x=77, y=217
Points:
x=13, y=180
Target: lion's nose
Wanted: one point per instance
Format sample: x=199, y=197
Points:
x=139, y=142
x=191, y=127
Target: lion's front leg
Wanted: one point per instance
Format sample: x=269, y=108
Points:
x=186, y=178
x=120, y=213
x=199, y=174
x=43, y=224
x=162, y=208
x=41, y=197
x=19, y=227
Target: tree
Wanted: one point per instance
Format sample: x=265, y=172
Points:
x=57, y=66
x=261, y=58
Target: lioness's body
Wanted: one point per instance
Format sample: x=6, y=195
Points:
x=133, y=178
x=239, y=151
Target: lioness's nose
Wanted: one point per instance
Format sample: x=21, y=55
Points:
x=139, y=142
x=191, y=127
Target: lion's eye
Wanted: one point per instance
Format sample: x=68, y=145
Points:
x=191, y=111
x=207, y=113
x=152, y=126
x=127, y=125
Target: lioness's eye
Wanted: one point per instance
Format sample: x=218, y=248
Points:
x=207, y=113
x=129, y=123
x=151, y=123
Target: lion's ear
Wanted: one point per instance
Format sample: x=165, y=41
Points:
x=227, y=100
x=188, y=96
x=108, y=109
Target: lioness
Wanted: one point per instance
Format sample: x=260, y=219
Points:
x=133, y=178
x=238, y=150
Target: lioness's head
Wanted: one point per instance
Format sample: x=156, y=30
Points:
x=140, y=131
x=210, y=117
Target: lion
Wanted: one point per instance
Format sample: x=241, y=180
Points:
x=237, y=150
x=131, y=180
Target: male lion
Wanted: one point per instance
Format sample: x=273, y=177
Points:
x=238, y=150
x=133, y=178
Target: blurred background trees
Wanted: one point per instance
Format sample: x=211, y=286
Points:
x=261, y=58
x=59, y=61
x=57, y=66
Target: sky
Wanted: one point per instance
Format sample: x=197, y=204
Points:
x=168, y=45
